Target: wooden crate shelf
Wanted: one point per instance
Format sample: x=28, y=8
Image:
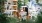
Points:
x=15, y=0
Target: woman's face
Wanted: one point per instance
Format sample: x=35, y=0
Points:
x=21, y=10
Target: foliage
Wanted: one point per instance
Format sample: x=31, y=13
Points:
x=39, y=18
x=19, y=4
x=36, y=1
x=2, y=15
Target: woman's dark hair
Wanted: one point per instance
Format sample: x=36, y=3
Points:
x=26, y=9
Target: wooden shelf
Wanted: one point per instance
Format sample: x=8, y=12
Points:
x=11, y=10
x=13, y=5
x=15, y=0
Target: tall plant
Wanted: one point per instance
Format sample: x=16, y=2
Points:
x=2, y=15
